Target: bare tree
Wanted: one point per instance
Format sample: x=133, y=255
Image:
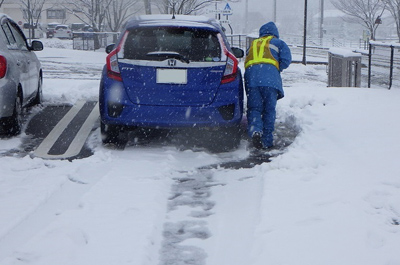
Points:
x=394, y=7
x=32, y=10
x=119, y=11
x=92, y=12
x=147, y=6
x=185, y=7
x=365, y=12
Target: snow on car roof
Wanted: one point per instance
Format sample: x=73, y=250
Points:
x=179, y=20
x=203, y=19
x=4, y=15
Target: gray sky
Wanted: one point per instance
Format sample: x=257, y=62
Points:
x=290, y=13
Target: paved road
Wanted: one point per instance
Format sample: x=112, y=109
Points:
x=67, y=138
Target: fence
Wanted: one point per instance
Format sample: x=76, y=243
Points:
x=383, y=58
x=237, y=40
x=241, y=41
x=325, y=42
x=378, y=62
x=93, y=40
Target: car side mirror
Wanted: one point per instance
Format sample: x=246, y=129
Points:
x=109, y=48
x=36, y=45
x=239, y=53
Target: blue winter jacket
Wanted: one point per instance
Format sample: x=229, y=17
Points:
x=267, y=75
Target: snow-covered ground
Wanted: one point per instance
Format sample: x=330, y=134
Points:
x=333, y=197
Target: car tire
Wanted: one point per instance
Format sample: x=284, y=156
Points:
x=11, y=126
x=39, y=95
x=110, y=134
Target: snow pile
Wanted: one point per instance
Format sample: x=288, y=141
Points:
x=331, y=198
x=57, y=43
x=344, y=52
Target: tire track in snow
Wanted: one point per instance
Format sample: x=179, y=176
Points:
x=65, y=70
x=187, y=234
x=188, y=208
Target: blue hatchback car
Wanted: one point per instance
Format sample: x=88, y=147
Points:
x=171, y=72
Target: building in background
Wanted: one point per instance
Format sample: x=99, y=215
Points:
x=51, y=12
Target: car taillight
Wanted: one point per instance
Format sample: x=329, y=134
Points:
x=3, y=66
x=230, y=69
x=113, y=71
x=112, y=66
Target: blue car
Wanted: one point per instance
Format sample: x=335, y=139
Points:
x=171, y=72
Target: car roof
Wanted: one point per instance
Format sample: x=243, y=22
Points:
x=2, y=16
x=177, y=20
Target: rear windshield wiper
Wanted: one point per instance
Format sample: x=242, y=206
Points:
x=168, y=55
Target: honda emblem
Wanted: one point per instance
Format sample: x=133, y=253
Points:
x=171, y=62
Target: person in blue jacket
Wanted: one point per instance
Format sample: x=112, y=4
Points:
x=266, y=58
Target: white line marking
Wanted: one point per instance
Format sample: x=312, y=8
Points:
x=79, y=140
x=83, y=133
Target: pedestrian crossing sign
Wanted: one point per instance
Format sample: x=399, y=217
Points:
x=227, y=10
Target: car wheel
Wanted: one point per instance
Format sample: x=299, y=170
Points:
x=110, y=134
x=12, y=125
x=39, y=95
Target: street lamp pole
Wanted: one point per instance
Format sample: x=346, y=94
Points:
x=246, y=16
x=305, y=33
x=321, y=21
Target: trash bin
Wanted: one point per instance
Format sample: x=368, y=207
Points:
x=344, y=68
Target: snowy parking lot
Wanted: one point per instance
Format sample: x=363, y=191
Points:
x=331, y=197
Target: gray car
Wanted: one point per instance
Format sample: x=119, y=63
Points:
x=20, y=75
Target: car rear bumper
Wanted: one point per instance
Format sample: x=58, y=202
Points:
x=7, y=98
x=115, y=108
x=170, y=117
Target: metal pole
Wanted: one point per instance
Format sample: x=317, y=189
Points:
x=246, y=16
x=30, y=22
x=369, y=64
x=305, y=33
x=275, y=11
x=391, y=66
x=216, y=9
x=321, y=21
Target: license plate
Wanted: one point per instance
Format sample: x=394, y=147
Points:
x=171, y=76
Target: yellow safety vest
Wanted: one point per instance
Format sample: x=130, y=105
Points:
x=259, y=54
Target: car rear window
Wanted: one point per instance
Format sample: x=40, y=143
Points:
x=195, y=44
x=61, y=27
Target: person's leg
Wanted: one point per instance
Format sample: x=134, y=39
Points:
x=270, y=96
x=254, y=111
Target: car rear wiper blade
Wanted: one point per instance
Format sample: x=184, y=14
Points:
x=169, y=54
